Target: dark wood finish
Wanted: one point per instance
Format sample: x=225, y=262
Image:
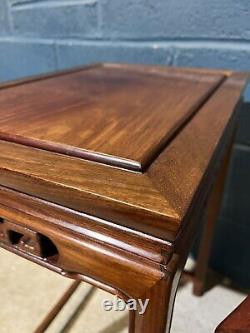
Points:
x=212, y=212
x=238, y=321
x=122, y=210
x=57, y=307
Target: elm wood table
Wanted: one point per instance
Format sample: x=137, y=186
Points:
x=105, y=172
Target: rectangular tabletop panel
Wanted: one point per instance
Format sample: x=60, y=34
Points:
x=170, y=125
x=114, y=114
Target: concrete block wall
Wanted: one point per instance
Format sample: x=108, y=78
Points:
x=43, y=35
x=38, y=36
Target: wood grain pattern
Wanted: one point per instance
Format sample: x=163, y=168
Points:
x=160, y=198
x=181, y=169
x=79, y=249
x=107, y=114
x=118, y=196
x=94, y=228
x=148, y=143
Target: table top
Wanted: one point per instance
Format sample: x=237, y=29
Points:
x=110, y=114
x=129, y=144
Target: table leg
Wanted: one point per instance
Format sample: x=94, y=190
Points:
x=57, y=308
x=211, y=215
x=158, y=316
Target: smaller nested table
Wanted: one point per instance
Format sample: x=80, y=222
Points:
x=238, y=321
x=106, y=171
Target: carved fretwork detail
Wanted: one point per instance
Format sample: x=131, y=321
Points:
x=27, y=240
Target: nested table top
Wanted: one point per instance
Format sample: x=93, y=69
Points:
x=129, y=144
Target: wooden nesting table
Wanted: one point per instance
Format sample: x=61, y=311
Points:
x=237, y=321
x=105, y=172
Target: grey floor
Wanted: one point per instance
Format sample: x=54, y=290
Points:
x=28, y=291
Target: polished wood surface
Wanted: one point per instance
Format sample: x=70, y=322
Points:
x=154, y=202
x=113, y=115
x=213, y=207
x=117, y=195
x=181, y=169
x=85, y=246
x=238, y=321
x=146, y=145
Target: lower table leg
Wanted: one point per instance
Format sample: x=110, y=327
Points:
x=158, y=316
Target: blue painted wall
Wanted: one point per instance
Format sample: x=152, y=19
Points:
x=37, y=36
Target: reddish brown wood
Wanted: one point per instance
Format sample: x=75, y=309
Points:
x=57, y=308
x=92, y=117
x=238, y=321
x=211, y=215
x=20, y=237
x=88, y=187
x=79, y=249
x=181, y=169
x=127, y=232
x=158, y=315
